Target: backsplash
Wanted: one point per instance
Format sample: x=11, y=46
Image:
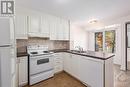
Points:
x=21, y=44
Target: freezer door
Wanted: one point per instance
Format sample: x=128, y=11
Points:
x=5, y=67
x=4, y=31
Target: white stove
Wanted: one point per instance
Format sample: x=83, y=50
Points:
x=40, y=63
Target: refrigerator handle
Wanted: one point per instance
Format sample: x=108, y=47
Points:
x=6, y=46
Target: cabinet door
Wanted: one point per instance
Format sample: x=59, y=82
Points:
x=21, y=27
x=66, y=28
x=91, y=72
x=53, y=27
x=67, y=62
x=23, y=71
x=34, y=24
x=75, y=66
x=45, y=29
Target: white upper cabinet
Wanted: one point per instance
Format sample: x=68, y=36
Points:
x=53, y=27
x=45, y=26
x=59, y=29
x=39, y=26
x=21, y=28
x=34, y=26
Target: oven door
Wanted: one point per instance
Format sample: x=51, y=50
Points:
x=39, y=64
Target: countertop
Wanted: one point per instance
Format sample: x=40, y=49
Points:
x=92, y=54
x=22, y=54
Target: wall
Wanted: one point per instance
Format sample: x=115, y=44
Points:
x=121, y=37
x=78, y=37
x=21, y=44
x=91, y=42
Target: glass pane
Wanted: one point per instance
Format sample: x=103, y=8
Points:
x=99, y=41
x=110, y=41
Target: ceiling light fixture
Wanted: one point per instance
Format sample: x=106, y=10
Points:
x=93, y=21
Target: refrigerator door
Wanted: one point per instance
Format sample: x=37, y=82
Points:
x=5, y=67
x=4, y=31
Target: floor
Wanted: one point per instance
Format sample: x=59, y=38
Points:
x=60, y=80
x=122, y=79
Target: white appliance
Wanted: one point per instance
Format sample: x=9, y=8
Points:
x=40, y=64
x=7, y=53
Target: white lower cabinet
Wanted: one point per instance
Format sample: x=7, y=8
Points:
x=23, y=71
x=71, y=64
x=67, y=62
x=58, y=62
x=75, y=63
x=91, y=72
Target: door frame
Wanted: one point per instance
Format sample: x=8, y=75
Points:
x=126, y=43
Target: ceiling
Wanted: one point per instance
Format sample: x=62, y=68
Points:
x=79, y=10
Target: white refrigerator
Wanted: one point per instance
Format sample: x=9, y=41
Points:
x=7, y=53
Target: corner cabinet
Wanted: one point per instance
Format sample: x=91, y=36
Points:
x=21, y=28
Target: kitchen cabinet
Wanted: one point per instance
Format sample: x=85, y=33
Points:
x=48, y=26
x=45, y=26
x=39, y=26
x=91, y=72
x=21, y=28
x=71, y=64
x=75, y=66
x=34, y=26
x=23, y=70
x=59, y=29
x=58, y=62
x=54, y=28
x=67, y=62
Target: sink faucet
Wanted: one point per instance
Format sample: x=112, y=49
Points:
x=79, y=48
